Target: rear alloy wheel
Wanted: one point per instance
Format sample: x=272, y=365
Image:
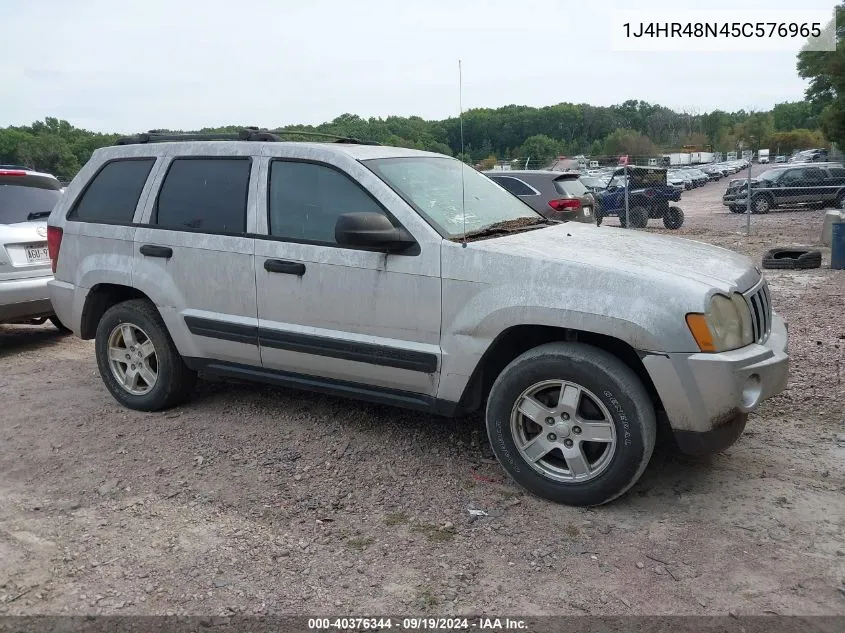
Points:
x=137, y=359
x=673, y=218
x=761, y=204
x=571, y=423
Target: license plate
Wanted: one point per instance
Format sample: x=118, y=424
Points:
x=587, y=211
x=37, y=254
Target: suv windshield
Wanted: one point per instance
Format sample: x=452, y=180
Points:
x=19, y=203
x=434, y=187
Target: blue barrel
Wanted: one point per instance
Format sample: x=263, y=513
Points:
x=837, y=246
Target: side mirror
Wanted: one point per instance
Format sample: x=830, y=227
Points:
x=371, y=230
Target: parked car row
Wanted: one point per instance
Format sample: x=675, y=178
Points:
x=810, y=156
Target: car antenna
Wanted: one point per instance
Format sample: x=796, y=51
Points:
x=461, y=122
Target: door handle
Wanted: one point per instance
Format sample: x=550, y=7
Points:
x=150, y=250
x=287, y=268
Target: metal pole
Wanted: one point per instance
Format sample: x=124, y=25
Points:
x=627, y=218
x=748, y=204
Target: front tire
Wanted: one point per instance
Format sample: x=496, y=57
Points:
x=137, y=359
x=571, y=423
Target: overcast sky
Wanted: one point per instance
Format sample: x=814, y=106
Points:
x=133, y=65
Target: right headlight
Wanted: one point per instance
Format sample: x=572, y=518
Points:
x=726, y=324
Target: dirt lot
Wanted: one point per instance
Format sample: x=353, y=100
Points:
x=258, y=500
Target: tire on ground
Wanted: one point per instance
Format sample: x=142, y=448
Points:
x=786, y=258
x=639, y=217
x=619, y=391
x=673, y=218
x=175, y=381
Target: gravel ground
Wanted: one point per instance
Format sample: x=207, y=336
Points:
x=253, y=499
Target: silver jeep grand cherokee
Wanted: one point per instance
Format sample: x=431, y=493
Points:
x=407, y=278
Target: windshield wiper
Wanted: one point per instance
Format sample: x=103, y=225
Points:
x=506, y=226
x=37, y=215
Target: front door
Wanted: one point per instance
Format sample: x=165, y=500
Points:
x=347, y=316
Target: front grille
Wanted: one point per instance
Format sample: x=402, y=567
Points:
x=760, y=302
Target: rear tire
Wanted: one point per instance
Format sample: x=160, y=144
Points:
x=603, y=399
x=137, y=359
x=673, y=218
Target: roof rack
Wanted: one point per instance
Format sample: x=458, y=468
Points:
x=244, y=134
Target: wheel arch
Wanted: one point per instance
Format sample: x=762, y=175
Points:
x=100, y=298
x=518, y=339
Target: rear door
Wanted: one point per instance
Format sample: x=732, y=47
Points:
x=814, y=185
x=194, y=259
x=26, y=200
x=790, y=189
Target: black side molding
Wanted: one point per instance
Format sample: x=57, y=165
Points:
x=341, y=388
x=225, y=331
x=317, y=345
x=349, y=350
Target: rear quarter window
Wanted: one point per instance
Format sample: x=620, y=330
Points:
x=113, y=193
x=514, y=185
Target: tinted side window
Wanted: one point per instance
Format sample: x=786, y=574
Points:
x=813, y=173
x=793, y=175
x=305, y=200
x=113, y=193
x=516, y=187
x=204, y=194
x=837, y=172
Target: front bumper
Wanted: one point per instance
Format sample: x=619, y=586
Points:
x=707, y=397
x=24, y=298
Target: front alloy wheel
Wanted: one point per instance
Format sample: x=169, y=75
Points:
x=563, y=431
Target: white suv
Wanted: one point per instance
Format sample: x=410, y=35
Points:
x=408, y=278
x=26, y=199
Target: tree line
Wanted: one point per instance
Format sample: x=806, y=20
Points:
x=635, y=128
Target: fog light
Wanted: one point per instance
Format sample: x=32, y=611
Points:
x=751, y=391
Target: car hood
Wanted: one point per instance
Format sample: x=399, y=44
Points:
x=662, y=257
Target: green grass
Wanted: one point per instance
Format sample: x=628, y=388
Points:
x=360, y=542
x=433, y=533
x=396, y=518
